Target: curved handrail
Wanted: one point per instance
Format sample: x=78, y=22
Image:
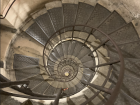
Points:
x=8, y=10
x=121, y=74
x=115, y=91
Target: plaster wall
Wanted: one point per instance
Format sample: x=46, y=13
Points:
x=21, y=9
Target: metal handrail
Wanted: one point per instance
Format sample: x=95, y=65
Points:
x=28, y=94
x=8, y=10
x=116, y=90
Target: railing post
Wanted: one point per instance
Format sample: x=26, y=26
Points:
x=56, y=102
x=72, y=32
x=88, y=36
x=60, y=36
x=110, y=63
x=99, y=46
x=109, y=91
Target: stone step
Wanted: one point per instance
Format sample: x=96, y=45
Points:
x=69, y=13
x=83, y=14
x=112, y=23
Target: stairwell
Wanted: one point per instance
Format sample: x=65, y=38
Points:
x=64, y=46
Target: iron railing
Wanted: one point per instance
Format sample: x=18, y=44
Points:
x=114, y=92
x=3, y=17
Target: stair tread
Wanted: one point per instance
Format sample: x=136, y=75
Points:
x=124, y=35
x=60, y=50
x=88, y=93
x=99, y=14
x=56, y=15
x=122, y=99
x=72, y=90
x=133, y=87
x=36, y=32
x=130, y=50
x=23, y=74
x=50, y=63
x=44, y=22
x=41, y=88
x=78, y=100
x=50, y=90
x=21, y=61
x=26, y=61
x=86, y=58
x=83, y=14
x=69, y=12
x=130, y=85
x=83, y=52
x=35, y=81
x=132, y=67
x=56, y=54
x=72, y=45
x=89, y=64
x=52, y=57
x=65, y=46
x=79, y=86
x=87, y=75
x=77, y=48
x=113, y=22
x=51, y=69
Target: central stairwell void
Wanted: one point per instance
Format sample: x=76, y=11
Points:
x=78, y=54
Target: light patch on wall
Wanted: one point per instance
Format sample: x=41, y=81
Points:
x=26, y=7
x=19, y=99
x=137, y=15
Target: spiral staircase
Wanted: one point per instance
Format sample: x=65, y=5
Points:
x=77, y=56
